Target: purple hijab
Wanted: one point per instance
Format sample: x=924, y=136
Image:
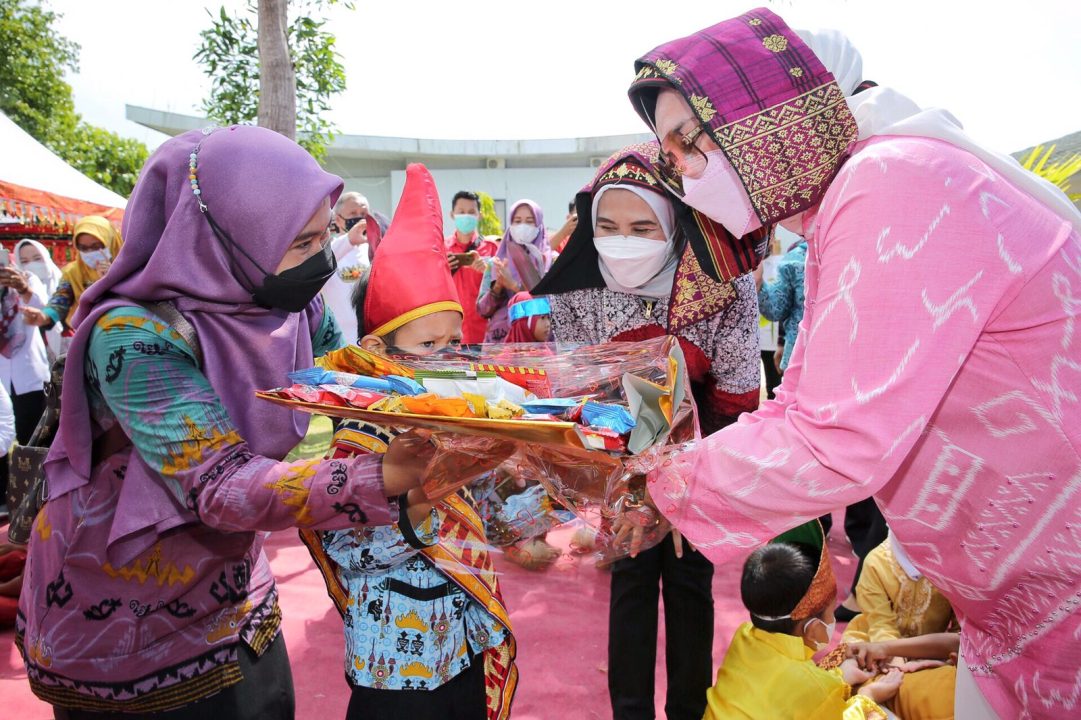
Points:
x=262, y=189
x=540, y=253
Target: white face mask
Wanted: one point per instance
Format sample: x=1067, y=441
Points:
x=829, y=633
x=632, y=261
x=95, y=257
x=720, y=196
x=37, y=267
x=523, y=233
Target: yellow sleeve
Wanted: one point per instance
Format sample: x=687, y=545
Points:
x=831, y=692
x=875, y=597
x=860, y=707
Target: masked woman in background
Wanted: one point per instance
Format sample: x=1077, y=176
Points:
x=633, y=270
x=522, y=259
x=32, y=257
x=96, y=243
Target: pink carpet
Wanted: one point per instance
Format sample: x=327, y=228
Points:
x=560, y=618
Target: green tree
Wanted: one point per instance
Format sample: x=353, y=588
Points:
x=103, y=156
x=490, y=224
x=230, y=56
x=33, y=58
x=33, y=93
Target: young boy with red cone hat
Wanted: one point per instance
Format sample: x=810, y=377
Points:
x=426, y=631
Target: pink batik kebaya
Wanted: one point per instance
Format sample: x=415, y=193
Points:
x=937, y=367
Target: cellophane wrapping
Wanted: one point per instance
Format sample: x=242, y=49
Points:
x=594, y=472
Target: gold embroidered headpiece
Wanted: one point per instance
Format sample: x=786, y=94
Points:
x=823, y=589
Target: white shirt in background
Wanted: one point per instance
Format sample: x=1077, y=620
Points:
x=28, y=369
x=7, y=425
x=338, y=292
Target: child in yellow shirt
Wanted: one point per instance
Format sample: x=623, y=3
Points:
x=768, y=672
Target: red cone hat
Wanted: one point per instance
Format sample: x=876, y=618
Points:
x=410, y=277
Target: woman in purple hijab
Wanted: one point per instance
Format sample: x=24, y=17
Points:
x=523, y=257
x=147, y=589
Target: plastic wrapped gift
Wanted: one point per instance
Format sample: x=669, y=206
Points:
x=585, y=422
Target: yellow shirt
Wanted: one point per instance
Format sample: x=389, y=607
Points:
x=771, y=675
x=894, y=605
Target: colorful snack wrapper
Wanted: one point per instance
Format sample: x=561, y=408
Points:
x=321, y=376
x=335, y=395
x=606, y=415
x=405, y=385
x=552, y=406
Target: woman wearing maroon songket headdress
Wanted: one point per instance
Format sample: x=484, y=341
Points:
x=937, y=366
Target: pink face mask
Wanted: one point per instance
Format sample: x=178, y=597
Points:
x=719, y=195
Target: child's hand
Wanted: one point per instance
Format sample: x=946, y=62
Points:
x=884, y=688
x=915, y=665
x=869, y=656
x=406, y=461
x=419, y=506
x=853, y=674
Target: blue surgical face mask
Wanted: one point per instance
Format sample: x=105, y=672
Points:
x=96, y=256
x=466, y=223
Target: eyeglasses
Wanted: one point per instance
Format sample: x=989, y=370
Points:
x=681, y=157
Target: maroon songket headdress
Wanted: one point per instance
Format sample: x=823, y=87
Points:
x=765, y=99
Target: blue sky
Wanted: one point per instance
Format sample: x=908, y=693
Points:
x=555, y=68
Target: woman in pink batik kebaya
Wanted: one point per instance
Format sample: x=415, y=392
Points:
x=939, y=365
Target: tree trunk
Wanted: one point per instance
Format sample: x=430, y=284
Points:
x=277, y=79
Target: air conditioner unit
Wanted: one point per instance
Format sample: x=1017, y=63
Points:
x=496, y=164
x=596, y=162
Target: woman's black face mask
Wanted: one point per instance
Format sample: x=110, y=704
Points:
x=290, y=290
x=293, y=289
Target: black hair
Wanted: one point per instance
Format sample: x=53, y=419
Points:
x=775, y=578
x=360, y=293
x=465, y=195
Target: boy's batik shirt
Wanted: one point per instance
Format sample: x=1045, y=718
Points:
x=408, y=625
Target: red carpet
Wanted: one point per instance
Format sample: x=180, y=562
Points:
x=560, y=618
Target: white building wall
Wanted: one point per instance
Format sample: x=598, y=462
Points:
x=377, y=190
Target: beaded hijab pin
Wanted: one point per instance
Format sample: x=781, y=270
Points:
x=193, y=168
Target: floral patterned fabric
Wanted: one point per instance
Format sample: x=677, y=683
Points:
x=721, y=349
x=162, y=629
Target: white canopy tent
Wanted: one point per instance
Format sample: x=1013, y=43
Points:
x=32, y=176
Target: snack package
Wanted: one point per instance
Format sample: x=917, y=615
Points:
x=586, y=423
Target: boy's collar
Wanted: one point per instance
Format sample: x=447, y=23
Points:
x=790, y=646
